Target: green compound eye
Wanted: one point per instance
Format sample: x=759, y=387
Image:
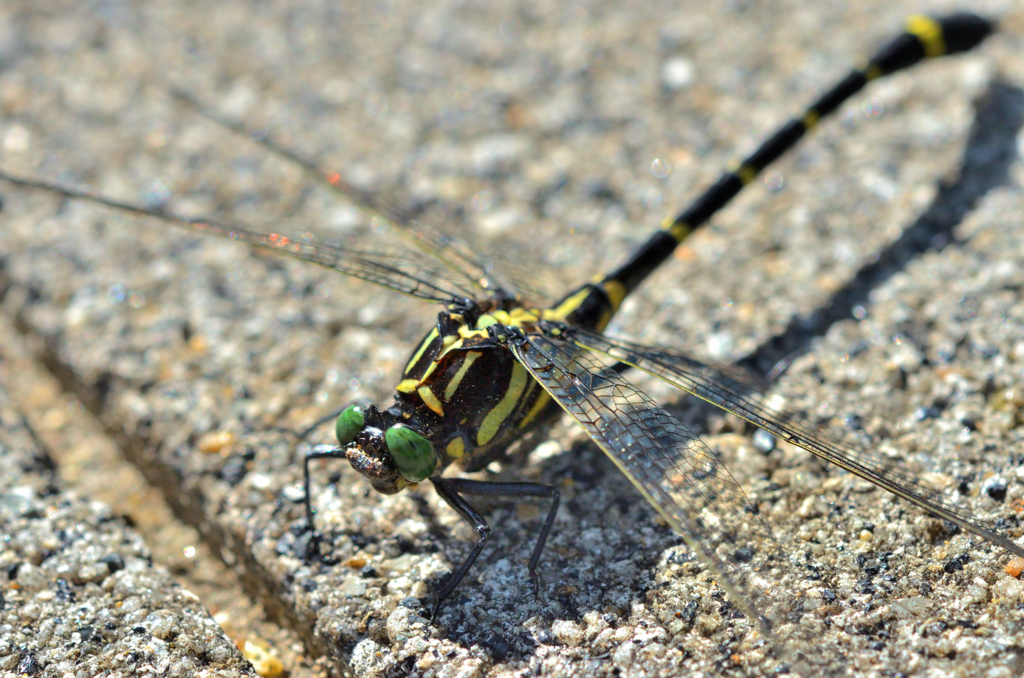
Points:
x=413, y=454
x=350, y=423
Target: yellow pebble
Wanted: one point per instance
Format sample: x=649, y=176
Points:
x=262, y=658
x=215, y=441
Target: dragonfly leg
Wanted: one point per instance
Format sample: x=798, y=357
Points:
x=450, y=489
x=318, y=452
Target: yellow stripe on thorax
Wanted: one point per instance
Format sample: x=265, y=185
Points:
x=456, y=448
x=408, y=386
x=453, y=385
x=430, y=400
x=419, y=352
x=500, y=412
x=538, y=406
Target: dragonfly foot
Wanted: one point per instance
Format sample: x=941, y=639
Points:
x=434, y=610
x=535, y=584
x=313, y=546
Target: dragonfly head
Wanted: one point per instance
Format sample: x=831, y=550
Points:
x=391, y=454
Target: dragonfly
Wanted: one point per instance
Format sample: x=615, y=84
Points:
x=498, y=365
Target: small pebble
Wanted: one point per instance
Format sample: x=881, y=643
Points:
x=677, y=73
x=1015, y=567
x=764, y=441
x=215, y=441
x=567, y=633
x=706, y=624
x=262, y=658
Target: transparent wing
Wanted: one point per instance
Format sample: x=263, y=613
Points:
x=394, y=269
x=459, y=257
x=708, y=384
x=677, y=473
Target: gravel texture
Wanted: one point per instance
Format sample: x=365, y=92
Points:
x=87, y=463
x=534, y=130
x=80, y=594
